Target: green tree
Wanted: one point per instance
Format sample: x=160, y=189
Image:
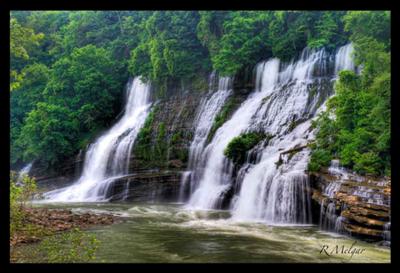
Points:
x=48, y=134
x=88, y=84
x=23, y=100
x=361, y=138
x=239, y=146
x=171, y=44
x=245, y=41
x=21, y=40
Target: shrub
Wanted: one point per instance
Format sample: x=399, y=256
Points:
x=240, y=145
x=319, y=158
x=71, y=247
x=368, y=163
x=19, y=195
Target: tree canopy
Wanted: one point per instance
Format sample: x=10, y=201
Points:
x=68, y=71
x=360, y=134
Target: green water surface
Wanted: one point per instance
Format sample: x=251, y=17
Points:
x=170, y=233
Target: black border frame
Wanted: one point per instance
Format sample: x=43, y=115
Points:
x=6, y=266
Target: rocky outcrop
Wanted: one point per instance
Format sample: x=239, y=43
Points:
x=44, y=222
x=146, y=186
x=66, y=173
x=355, y=205
x=171, y=132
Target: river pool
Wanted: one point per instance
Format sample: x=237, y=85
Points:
x=172, y=233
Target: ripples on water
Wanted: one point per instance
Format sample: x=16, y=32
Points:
x=172, y=233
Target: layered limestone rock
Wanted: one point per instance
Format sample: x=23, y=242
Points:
x=146, y=186
x=352, y=204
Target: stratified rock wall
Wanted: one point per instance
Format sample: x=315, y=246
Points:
x=358, y=206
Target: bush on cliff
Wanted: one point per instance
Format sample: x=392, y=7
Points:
x=240, y=145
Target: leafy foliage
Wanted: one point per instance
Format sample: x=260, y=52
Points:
x=319, y=158
x=169, y=47
x=143, y=146
x=70, y=247
x=360, y=134
x=87, y=77
x=240, y=145
x=22, y=39
x=245, y=41
x=48, y=134
x=22, y=190
x=224, y=114
x=68, y=69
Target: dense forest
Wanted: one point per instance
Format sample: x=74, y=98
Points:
x=360, y=134
x=68, y=71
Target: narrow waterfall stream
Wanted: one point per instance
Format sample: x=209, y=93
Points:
x=207, y=111
x=370, y=191
x=112, y=148
x=24, y=171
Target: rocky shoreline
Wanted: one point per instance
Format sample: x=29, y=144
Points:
x=51, y=221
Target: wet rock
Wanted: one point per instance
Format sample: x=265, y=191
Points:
x=363, y=232
x=363, y=203
x=175, y=164
x=146, y=186
x=48, y=221
x=362, y=220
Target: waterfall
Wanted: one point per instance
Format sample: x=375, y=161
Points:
x=216, y=176
x=24, y=171
x=328, y=217
x=344, y=59
x=108, y=157
x=387, y=233
x=207, y=111
x=340, y=173
x=337, y=170
x=274, y=189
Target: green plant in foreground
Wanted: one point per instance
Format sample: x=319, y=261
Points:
x=19, y=196
x=72, y=247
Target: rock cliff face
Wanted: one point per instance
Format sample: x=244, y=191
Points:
x=66, y=174
x=157, y=163
x=146, y=186
x=351, y=204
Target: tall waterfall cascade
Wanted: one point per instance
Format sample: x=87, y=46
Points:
x=286, y=98
x=108, y=157
x=207, y=111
